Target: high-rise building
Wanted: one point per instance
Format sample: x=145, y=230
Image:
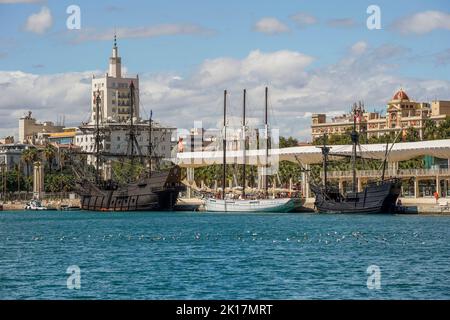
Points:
x=114, y=92
x=114, y=119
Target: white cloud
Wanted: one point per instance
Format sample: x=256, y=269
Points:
x=39, y=22
x=359, y=47
x=87, y=34
x=270, y=26
x=296, y=89
x=303, y=19
x=341, y=23
x=19, y=1
x=423, y=22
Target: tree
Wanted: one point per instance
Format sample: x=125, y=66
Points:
x=430, y=130
x=49, y=153
x=29, y=156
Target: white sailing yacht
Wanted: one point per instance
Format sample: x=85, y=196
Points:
x=249, y=205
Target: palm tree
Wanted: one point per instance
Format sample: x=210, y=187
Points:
x=29, y=156
x=430, y=131
x=49, y=154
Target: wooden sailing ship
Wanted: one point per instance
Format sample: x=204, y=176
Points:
x=149, y=192
x=376, y=197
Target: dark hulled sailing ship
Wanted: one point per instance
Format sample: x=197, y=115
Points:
x=151, y=191
x=376, y=197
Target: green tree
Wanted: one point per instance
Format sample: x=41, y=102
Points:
x=49, y=154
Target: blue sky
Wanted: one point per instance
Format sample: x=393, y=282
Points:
x=227, y=29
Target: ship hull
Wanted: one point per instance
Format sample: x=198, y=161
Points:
x=156, y=193
x=261, y=205
x=375, y=198
x=114, y=201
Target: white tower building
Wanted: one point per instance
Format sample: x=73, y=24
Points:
x=114, y=92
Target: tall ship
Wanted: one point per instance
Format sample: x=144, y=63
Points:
x=249, y=203
x=148, y=191
x=376, y=197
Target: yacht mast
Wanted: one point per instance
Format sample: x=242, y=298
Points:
x=244, y=147
x=266, y=125
x=224, y=140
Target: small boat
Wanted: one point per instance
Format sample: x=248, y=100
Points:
x=65, y=207
x=35, y=205
x=257, y=205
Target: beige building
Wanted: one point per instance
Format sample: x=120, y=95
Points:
x=114, y=92
x=401, y=113
x=114, y=120
x=32, y=132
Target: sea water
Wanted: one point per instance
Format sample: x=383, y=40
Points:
x=175, y=255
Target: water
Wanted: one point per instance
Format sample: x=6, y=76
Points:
x=222, y=256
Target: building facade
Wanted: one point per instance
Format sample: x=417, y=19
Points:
x=401, y=114
x=114, y=92
x=114, y=121
x=33, y=132
x=11, y=156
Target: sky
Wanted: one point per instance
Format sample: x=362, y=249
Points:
x=315, y=57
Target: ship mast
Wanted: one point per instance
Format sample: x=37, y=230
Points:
x=266, y=125
x=150, y=145
x=355, y=139
x=97, y=137
x=131, y=133
x=224, y=140
x=245, y=145
x=325, y=152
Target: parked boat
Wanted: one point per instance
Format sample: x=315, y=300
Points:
x=376, y=197
x=243, y=204
x=257, y=205
x=66, y=207
x=152, y=191
x=35, y=205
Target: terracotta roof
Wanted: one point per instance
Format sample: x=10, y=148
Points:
x=400, y=95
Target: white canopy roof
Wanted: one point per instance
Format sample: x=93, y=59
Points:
x=313, y=154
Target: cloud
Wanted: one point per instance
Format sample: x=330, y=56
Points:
x=303, y=19
x=359, y=47
x=270, y=26
x=296, y=89
x=341, y=23
x=423, y=22
x=87, y=34
x=39, y=22
x=19, y=1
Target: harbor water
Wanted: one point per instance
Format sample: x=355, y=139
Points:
x=182, y=255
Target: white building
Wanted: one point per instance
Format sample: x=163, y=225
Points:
x=114, y=92
x=114, y=121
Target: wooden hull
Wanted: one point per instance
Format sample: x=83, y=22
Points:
x=159, y=192
x=375, y=198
